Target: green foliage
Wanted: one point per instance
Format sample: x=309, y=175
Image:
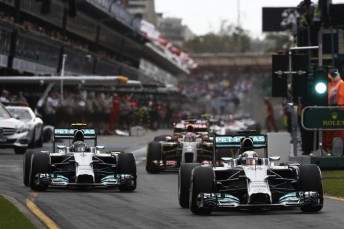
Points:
x=11, y=217
x=229, y=39
x=234, y=39
x=278, y=41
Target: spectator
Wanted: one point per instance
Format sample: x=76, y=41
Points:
x=19, y=98
x=310, y=19
x=125, y=112
x=335, y=98
x=102, y=117
x=115, y=112
x=51, y=107
x=287, y=110
x=5, y=96
x=269, y=116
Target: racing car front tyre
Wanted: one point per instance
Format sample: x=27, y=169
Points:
x=310, y=180
x=27, y=167
x=184, y=178
x=40, y=164
x=153, y=154
x=202, y=181
x=127, y=165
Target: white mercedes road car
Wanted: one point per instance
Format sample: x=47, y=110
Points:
x=13, y=132
x=33, y=123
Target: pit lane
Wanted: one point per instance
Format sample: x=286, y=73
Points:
x=154, y=204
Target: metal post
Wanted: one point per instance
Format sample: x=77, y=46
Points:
x=308, y=48
x=294, y=131
x=64, y=56
x=320, y=64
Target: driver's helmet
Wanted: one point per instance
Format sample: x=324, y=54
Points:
x=79, y=146
x=249, y=158
x=189, y=137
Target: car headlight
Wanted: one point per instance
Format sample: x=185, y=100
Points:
x=22, y=129
x=29, y=126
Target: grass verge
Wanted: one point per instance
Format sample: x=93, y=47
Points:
x=333, y=183
x=11, y=217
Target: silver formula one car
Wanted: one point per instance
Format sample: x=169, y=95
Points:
x=249, y=182
x=79, y=165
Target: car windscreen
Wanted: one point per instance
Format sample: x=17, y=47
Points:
x=4, y=114
x=23, y=115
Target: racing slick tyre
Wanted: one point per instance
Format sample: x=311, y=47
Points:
x=202, y=181
x=184, y=178
x=39, y=164
x=153, y=154
x=310, y=180
x=127, y=165
x=160, y=138
x=27, y=167
x=19, y=150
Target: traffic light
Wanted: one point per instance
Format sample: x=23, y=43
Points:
x=318, y=90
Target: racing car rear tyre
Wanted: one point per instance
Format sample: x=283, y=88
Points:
x=184, y=178
x=27, y=167
x=40, y=164
x=203, y=181
x=153, y=154
x=127, y=165
x=310, y=180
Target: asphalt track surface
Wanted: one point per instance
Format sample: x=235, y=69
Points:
x=154, y=204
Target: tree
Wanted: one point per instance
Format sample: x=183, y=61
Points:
x=279, y=42
x=228, y=39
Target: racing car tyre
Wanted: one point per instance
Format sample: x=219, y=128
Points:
x=202, y=181
x=127, y=165
x=27, y=167
x=310, y=180
x=40, y=164
x=153, y=154
x=184, y=177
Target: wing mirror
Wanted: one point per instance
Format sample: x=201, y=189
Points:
x=274, y=158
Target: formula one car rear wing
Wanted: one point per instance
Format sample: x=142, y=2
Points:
x=70, y=133
x=260, y=141
x=234, y=142
x=196, y=127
